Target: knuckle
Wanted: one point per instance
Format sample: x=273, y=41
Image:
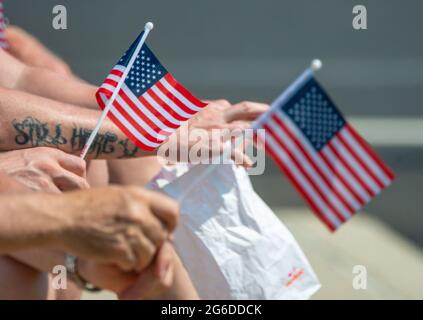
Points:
x=147, y=257
x=82, y=183
x=161, y=236
x=121, y=244
x=123, y=248
x=246, y=105
x=44, y=184
x=223, y=102
x=132, y=232
x=79, y=162
x=46, y=166
x=134, y=213
x=135, y=192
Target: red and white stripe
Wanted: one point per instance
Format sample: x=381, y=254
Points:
x=151, y=118
x=3, y=42
x=336, y=181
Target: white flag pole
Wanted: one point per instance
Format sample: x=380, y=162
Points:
x=147, y=28
x=315, y=65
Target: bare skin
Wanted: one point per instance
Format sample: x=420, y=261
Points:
x=219, y=114
x=37, y=80
x=17, y=76
x=28, y=121
x=124, y=226
x=30, y=51
x=155, y=282
x=131, y=171
x=10, y=185
x=45, y=169
x=76, y=226
x=128, y=171
x=58, y=113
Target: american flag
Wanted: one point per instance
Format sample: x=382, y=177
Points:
x=3, y=43
x=151, y=104
x=328, y=162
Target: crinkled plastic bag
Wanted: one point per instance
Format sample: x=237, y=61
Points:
x=231, y=243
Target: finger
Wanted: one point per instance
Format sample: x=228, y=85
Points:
x=67, y=181
x=155, y=230
x=124, y=257
x=245, y=111
x=241, y=159
x=258, y=141
x=221, y=102
x=149, y=284
x=239, y=125
x=138, y=289
x=164, y=208
x=169, y=276
x=73, y=164
x=142, y=247
x=163, y=260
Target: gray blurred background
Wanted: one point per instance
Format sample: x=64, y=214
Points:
x=251, y=50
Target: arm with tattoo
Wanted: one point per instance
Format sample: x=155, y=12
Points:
x=28, y=121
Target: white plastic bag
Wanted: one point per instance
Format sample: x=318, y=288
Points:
x=230, y=241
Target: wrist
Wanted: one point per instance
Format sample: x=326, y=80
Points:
x=73, y=268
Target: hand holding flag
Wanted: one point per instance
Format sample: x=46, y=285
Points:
x=143, y=99
x=328, y=162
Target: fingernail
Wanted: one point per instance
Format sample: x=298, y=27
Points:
x=163, y=271
x=248, y=163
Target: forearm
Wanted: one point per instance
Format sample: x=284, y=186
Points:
x=30, y=51
x=28, y=121
x=44, y=82
x=58, y=87
x=30, y=221
x=40, y=259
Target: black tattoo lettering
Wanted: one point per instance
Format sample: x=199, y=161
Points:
x=35, y=133
x=129, y=150
x=102, y=144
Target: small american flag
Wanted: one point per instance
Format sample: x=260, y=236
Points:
x=328, y=162
x=151, y=104
x=3, y=42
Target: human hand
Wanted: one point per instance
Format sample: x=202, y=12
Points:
x=221, y=114
x=147, y=284
x=124, y=226
x=45, y=169
x=106, y=276
x=200, y=132
x=10, y=185
x=155, y=279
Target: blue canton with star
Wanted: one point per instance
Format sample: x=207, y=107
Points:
x=146, y=70
x=314, y=113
